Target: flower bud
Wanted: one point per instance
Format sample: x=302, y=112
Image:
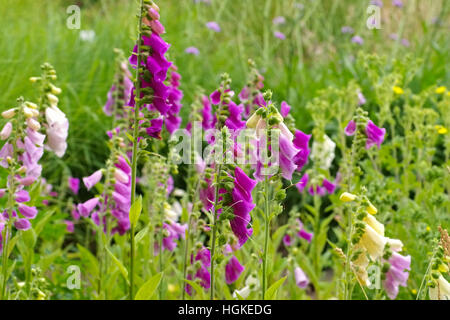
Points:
x=34, y=79
x=31, y=105
x=30, y=113
x=6, y=131
x=52, y=99
x=54, y=89
x=347, y=197
x=8, y=114
x=371, y=209
x=33, y=124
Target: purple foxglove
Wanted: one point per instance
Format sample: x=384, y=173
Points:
x=350, y=129
x=6, y=151
x=301, y=185
x=74, y=184
x=93, y=179
x=70, y=227
x=22, y=196
x=397, y=274
x=27, y=211
x=375, y=135
x=22, y=224
x=215, y=97
x=242, y=205
x=57, y=130
x=301, y=280
x=287, y=240
x=301, y=141
x=6, y=131
x=329, y=186
x=36, y=137
x=121, y=176
x=233, y=270
x=86, y=208
x=155, y=128
x=284, y=109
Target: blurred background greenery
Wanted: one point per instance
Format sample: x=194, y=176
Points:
x=315, y=54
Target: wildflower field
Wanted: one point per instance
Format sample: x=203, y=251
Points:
x=224, y=150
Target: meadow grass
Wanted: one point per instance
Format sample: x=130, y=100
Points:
x=314, y=56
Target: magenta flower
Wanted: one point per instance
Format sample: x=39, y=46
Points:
x=192, y=50
x=22, y=224
x=242, y=205
x=234, y=120
x=93, y=179
x=214, y=26
x=284, y=109
x=155, y=128
x=287, y=240
x=301, y=185
x=27, y=211
x=375, y=135
x=233, y=270
x=329, y=186
x=279, y=35
x=22, y=196
x=74, y=184
x=70, y=227
x=215, y=97
x=301, y=280
x=6, y=151
x=302, y=233
x=397, y=274
x=301, y=142
x=86, y=208
x=350, y=129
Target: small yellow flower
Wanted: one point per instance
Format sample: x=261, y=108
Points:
x=441, y=90
x=441, y=129
x=428, y=229
x=371, y=209
x=443, y=268
x=398, y=90
x=171, y=287
x=414, y=291
x=347, y=197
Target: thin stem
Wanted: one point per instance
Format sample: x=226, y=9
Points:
x=266, y=234
x=214, y=228
x=135, y=148
x=6, y=232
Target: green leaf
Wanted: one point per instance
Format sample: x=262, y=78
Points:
x=89, y=260
x=148, y=289
x=141, y=234
x=135, y=211
x=119, y=264
x=199, y=290
x=271, y=292
x=41, y=224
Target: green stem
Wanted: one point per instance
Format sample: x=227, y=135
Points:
x=266, y=234
x=135, y=148
x=6, y=231
x=214, y=228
